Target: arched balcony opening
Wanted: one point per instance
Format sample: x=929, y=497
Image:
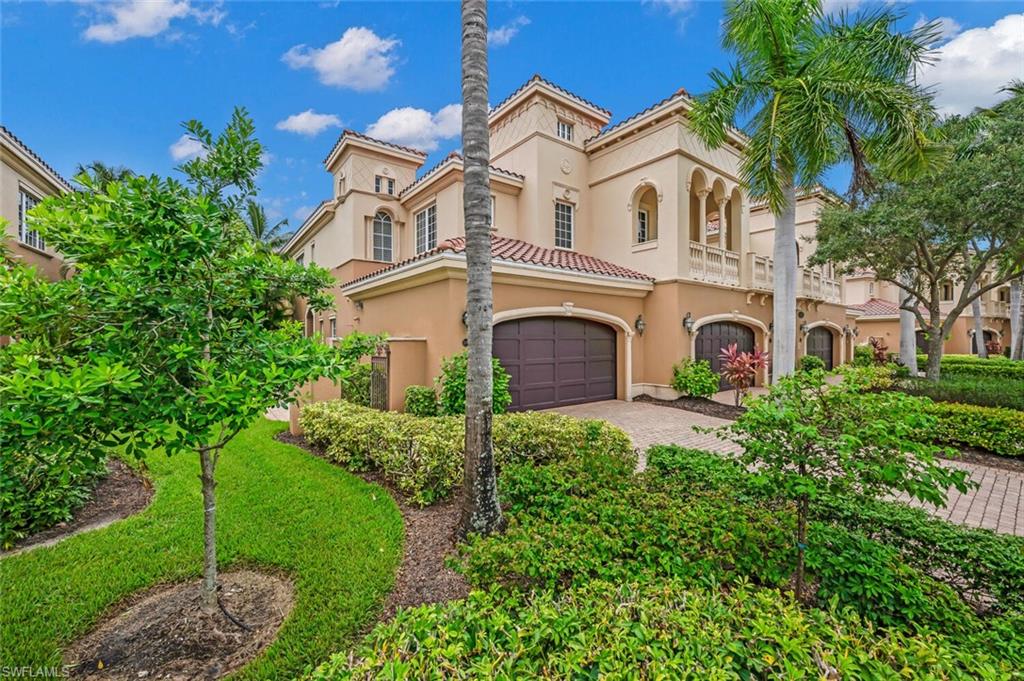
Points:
x=713, y=226
x=645, y=215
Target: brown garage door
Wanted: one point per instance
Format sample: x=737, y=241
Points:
x=555, y=361
x=715, y=337
x=819, y=344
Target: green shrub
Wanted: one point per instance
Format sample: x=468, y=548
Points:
x=995, y=366
x=811, y=363
x=423, y=457
x=647, y=631
x=1000, y=431
x=452, y=386
x=863, y=356
x=872, y=377
x=420, y=400
x=695, y=379
x=41, y=489
x=355, y=384
x=985, y=391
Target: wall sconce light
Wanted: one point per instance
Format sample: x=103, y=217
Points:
x=803, y=328
x=688, y=323
x=771, y=327
x=640, y=324
x=856, y=331
x=846, y=330
x=465, y=318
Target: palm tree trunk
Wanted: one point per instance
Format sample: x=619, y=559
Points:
x=784, y=299
x=1016, y=320
x=908, y=337
x=979, y=330
x=481, y=512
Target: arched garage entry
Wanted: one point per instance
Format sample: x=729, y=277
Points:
x=714, y=337
x=557, y=360
x=820, y=343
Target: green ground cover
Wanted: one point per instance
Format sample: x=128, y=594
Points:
x=337, y=538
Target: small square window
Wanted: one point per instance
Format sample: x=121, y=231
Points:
x=565, y=130
x=384, y=185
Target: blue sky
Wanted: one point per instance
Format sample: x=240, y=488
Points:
x=112, y=81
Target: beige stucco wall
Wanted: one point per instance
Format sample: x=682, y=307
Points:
x=17, y=175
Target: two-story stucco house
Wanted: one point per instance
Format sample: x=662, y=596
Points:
x=617, y=251
x=25, y=180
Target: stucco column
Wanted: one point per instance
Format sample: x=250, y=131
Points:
x=723, y=229
x=629, y=366
x=702, y=215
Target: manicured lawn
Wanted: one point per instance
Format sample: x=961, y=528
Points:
x=338, y=538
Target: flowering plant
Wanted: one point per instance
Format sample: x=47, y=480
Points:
x=740, y=368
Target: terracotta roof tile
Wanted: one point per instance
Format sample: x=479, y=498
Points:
x=25, y=148
x=876, y=307
x=537, y=78
x=367, y=138
x=457, y=156
x=514, y=250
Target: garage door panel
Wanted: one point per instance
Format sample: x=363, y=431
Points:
x=715, y=337
x=819, y=344
x=553, y=361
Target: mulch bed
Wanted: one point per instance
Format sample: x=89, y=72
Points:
x=431, y=535
x=121, y=493
x=163, y=632
x=701, y=405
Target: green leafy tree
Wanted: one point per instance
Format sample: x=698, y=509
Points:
x=811, y=440
x=165, y=318
x=97, y=175
x=270, y=236
x=961, y=224
x=812, y=90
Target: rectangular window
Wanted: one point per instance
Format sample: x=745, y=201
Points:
x=321, y=327
x=947, y=292
x=382, y=246
x=563, y=225
x=490, y=216
x=301, y=259
x=426, y=229
x=565, y=130
x=641, y=227
x=334, y=327
x=29, y=237
x=384, y=185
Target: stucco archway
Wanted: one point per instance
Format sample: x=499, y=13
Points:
x=837, y=336
x=570, y=310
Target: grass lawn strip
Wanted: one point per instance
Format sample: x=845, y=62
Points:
x=337, y=537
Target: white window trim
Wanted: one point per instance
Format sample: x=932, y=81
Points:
x=646, y=222
x=426, y=213
x=36, y=242
x=572, y=225
x=568, y=127
x=391, y=237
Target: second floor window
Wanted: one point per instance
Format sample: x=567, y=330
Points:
x=382, y=237
x=301, y=259
x=642, y=227
x=384, y=185
x=490, y=216
x=426, y=229
x=563, y=225
x=947, y=291
x=565, y=130
x=334, y=327
x=29, y=237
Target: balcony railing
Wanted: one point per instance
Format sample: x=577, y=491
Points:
x=813, y=283
x=997, y=308
x=762, y=271
x=708, y=263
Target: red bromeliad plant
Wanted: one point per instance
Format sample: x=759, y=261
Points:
x=740, y=368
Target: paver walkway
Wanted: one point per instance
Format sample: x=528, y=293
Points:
x=997, y=504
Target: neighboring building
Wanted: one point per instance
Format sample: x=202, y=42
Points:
x=873, y=303
x=25, y=180
x=617, y=251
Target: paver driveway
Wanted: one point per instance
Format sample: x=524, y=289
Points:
x=997, y=504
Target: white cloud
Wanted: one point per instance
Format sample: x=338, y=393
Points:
x=302, y=212
x=503, y=34
x=679, y=9
x=186, y=148
x=120, y=20
x=947, y=26
x=418, y=128
x=360, y=60
x=975, y=64
x=309, y=123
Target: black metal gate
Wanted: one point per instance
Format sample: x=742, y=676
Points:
x=380, y=366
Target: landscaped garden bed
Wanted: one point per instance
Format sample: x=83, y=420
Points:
x=700, y=405
x=282, y=512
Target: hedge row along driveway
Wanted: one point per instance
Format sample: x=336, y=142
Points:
x=337, y=538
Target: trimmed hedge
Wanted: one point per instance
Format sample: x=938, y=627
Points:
x=996, y=366
x=647, y=631
x=420, y=400
x=1000, y=431
x=985, y=391
x=423, y=457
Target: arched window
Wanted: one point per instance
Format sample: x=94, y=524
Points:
x=645, y=215
x=309, y=323
x=382, y=237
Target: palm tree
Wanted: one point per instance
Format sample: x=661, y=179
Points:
x=271, y=237
x=100, y=174
x=814, y=89
x=481, y=512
